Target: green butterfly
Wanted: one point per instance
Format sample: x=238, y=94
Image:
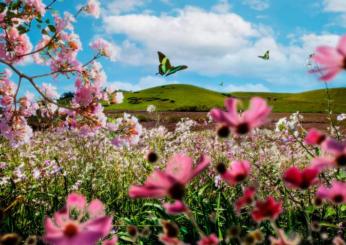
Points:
x=221, y=84
x=265, y=56
x=165, y=67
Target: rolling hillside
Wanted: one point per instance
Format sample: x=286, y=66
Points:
x=191, y=98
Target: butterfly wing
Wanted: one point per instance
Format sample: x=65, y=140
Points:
x=176, y=69
x=161, y=56
x=165, y=64
x=266, y=55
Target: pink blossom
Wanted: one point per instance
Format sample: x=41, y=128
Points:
x=332, y=60
x=49, y=90
x=237, y=172
x=63, y=229
x=243, y=123
x=296, y=178
x=170, y=182
x=14, y=45
x=93, y=8
x=112, y=241
x=314, y=137
x=267, y=209
x=336, y=157
x=246, y=199
x=104, y=48
x=283, y=240
x=209, y=240
x=177, y=207
x=336, y=193
x=37, y=5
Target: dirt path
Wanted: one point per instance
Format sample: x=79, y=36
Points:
x=169, y=119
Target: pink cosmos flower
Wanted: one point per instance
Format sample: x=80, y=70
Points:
x=170, y=234
x=93, y=8
x=237, y=172
x=63, y=229
x=314, y=137
x=170, y=182
x=268, y=209
x=296, y=178
x=336, y=157
x=246, y=199
x=112, y=241
x=209, y=240
x=175, y=208
x=332, y=60
x=336, y=193
x=283, y=240
x=243, y=123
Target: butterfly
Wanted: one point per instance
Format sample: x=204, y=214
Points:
x=265, y=56
x=165, y=67
x=221, y=84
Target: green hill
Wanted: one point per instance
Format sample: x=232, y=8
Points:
x=190, y=98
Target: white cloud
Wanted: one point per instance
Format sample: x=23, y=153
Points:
x=123, y=6
x=143, y=83
x=335, y=6
x=258, y=5
x=223, y=6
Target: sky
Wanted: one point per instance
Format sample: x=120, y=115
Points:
x=218, y=40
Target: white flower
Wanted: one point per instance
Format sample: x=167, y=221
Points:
x=151, y=108
x=341, y=117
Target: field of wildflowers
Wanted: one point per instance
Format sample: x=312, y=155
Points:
x=87, y=179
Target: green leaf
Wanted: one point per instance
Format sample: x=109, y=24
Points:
x=330, y=212
x=52, y=28
x=44, y=32
x=343, y=208
x=22, y=29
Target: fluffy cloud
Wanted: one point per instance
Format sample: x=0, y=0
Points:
x=123, y=6
x=223, y=6
x=258, y=5
x=213, y=43
x=335, y=5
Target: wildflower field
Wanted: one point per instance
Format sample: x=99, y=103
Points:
x=72, y=174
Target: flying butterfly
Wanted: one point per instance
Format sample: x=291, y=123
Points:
x=165, y=67
x=265, y=56
x=221, y=84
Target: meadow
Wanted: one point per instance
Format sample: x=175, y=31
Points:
x=211, y=168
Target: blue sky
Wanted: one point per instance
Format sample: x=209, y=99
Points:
x=218, y=40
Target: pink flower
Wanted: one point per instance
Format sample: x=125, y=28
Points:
x=209, y=240
x=296, y=178
x=37, y=5
x=175, y=208
x=243, y=123
x=93, y=8
x=332, y=60
x=170, y=234
x=112, y=241
x=50, y=91
x=314, y=137
x=336, y=193
x=13, y=45
x=246, y=199
x=63, y=229
x=105, y=48
x=170, y=182
x=283, y=240
x=268, y=209
x=237, y=172
x=337, y=155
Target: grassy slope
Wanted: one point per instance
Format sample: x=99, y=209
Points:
x=191, y=98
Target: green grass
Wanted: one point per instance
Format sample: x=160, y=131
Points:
x=191, y=98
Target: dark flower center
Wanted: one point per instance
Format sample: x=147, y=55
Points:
x=221, y=168
x=341, y=160
x=240, y=177
x=344, y=63
x=171, y=230
x=243, y=128
x=70, y=230
x=318, y=201
x=304, y=184
x=177, y=191
x=223, y=132
x=132, y=230
x=321, y=139
x=338, y=198
x=10, y=239
x=152, y=157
